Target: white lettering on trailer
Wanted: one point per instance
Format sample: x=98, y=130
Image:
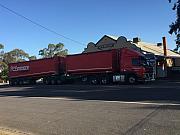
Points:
x=22, y=68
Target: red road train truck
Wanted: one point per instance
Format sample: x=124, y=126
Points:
x=112, y=66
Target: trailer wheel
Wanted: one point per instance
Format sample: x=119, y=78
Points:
x=131, y=79
x=21, y=82
x=59, y=82
x=11, y=82
x=94, y=81
x=16, y=82
x=84, y=79
x=104, y=81
x=47, y=82
x=53, y=82
x=32, y=82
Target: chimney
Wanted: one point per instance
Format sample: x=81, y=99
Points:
x=164, y=46
x=136, y=40
x=159, y=44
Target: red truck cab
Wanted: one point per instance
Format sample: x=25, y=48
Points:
x=135, y=64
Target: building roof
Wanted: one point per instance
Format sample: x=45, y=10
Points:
x=152, y=48
x=120, y=42
x=113, y=37
x=157, y=50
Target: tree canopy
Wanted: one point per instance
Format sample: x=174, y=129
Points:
x=1, y=52
x=175, y=26
x=4, y=71
x=16, y=55
x=1, y=46
x=52, y=50
x=32, y=58
x=3, y=65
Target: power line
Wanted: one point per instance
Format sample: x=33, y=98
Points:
x=41, y=26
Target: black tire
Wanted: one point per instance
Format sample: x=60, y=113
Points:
x=16, y=82
x=132, y=79
x=94, y=81
x=104, y=81
x=47, y=82
x=20, y=82
x=11, y=82
x=84, y=80
x=32, y=82
x=53, y=81
x=59, y=82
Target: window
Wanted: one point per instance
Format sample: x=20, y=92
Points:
x=135, y=62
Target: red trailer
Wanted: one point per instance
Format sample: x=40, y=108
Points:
x=96, y=63
x=30, y=71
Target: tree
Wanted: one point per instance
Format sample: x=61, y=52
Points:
x=175, y=26
x=1, y=46
x=32, y=58
x=3, y=66
x=1, y=52
x=16, y=55
x=4, y=71
x=8, y=58
x=52, y=50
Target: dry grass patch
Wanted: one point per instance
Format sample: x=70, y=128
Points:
x=4, y=131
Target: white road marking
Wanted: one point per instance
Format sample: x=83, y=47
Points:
x=103, y=101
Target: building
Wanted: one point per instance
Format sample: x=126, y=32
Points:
x=164, y=65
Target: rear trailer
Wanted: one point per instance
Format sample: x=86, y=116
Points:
x=29, y=72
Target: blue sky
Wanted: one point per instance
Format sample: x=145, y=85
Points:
x=84, y=21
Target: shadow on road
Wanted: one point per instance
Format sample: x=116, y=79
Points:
x=163, y=107
x=162, y=92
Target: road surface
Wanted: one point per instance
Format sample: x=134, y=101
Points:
x=152, y=109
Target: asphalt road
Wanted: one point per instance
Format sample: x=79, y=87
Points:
x=152, y=109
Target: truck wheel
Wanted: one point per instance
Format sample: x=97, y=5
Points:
x=53, y=82
x=131, y=79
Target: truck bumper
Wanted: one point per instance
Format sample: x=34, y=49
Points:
x=147, y=78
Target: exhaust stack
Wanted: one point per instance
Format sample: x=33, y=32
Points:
x=164, y=46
